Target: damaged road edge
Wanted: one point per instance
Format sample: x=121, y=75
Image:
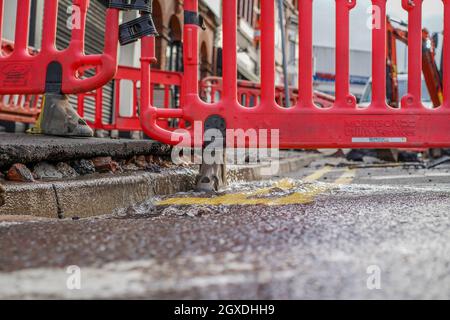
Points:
x=2, y=195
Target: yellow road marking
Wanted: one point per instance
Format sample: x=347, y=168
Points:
x=347, y=177
x=262, y=196
x=284, y=184
x=318, y=174
x=253, y=198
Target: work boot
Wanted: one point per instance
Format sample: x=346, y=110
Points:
x=58, y=118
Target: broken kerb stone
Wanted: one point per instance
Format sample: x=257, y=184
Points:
x=141, y=162
x=66, y=170
x=154, y=168
x=2, y=195
x=83, y=166
x=46, y=171
x=19, y=173
x=105, y=164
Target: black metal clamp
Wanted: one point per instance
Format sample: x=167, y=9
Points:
x=141, y=5
x=191, y=17
x=133, y=30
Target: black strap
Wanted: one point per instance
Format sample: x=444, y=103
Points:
x=141, y=5
x=133, y=30
x=192, y=17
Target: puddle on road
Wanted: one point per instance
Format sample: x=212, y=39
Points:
x=269, y=193
x=282, y=192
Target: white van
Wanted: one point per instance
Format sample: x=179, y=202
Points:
x=402, y=91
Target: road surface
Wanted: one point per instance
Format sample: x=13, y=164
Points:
x=325, y=232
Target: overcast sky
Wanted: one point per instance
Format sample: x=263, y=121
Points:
x=324, y=20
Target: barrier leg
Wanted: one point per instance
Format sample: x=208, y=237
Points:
x=212, y=177
x=57, y=116
x=213, y=174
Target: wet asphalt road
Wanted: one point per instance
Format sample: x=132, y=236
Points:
x=346, y=233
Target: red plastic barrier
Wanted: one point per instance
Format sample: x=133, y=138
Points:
x=18, y=108
x=343, y=125
x=163, y=82
x=249, y=93
x=23, y=73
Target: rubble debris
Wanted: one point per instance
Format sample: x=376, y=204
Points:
x=83, y=166
x=141, y=162
x=390, y=155
x=150, y=159
x=130, y=167
x=407, y=156
x=359, y=154
x=386, y=165
x=46, y=171
x=153, y=168
x=2, y=195
x=129, y=164
x=438, y=153
x=66, y=170
x=435, y=153
x=371, y=160
x=438, y=162
x=105, y=164
x=19, y=173
x=338, y=154
x=142, y=209
x=380, y=154
x=190, y=211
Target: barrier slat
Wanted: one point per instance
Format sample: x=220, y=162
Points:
x=1, y=28
x=267, y=54
x=22, y=29
x=414, y=97
x=305, y=54
x=190, y=47
x=379, y=55
x=49, y=26
x=210, y=85
x=229, y=52
x=77, y=41
x=446, y=54
x=343, y=97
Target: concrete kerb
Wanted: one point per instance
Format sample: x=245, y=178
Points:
x=102, y=194
x=22, y=148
